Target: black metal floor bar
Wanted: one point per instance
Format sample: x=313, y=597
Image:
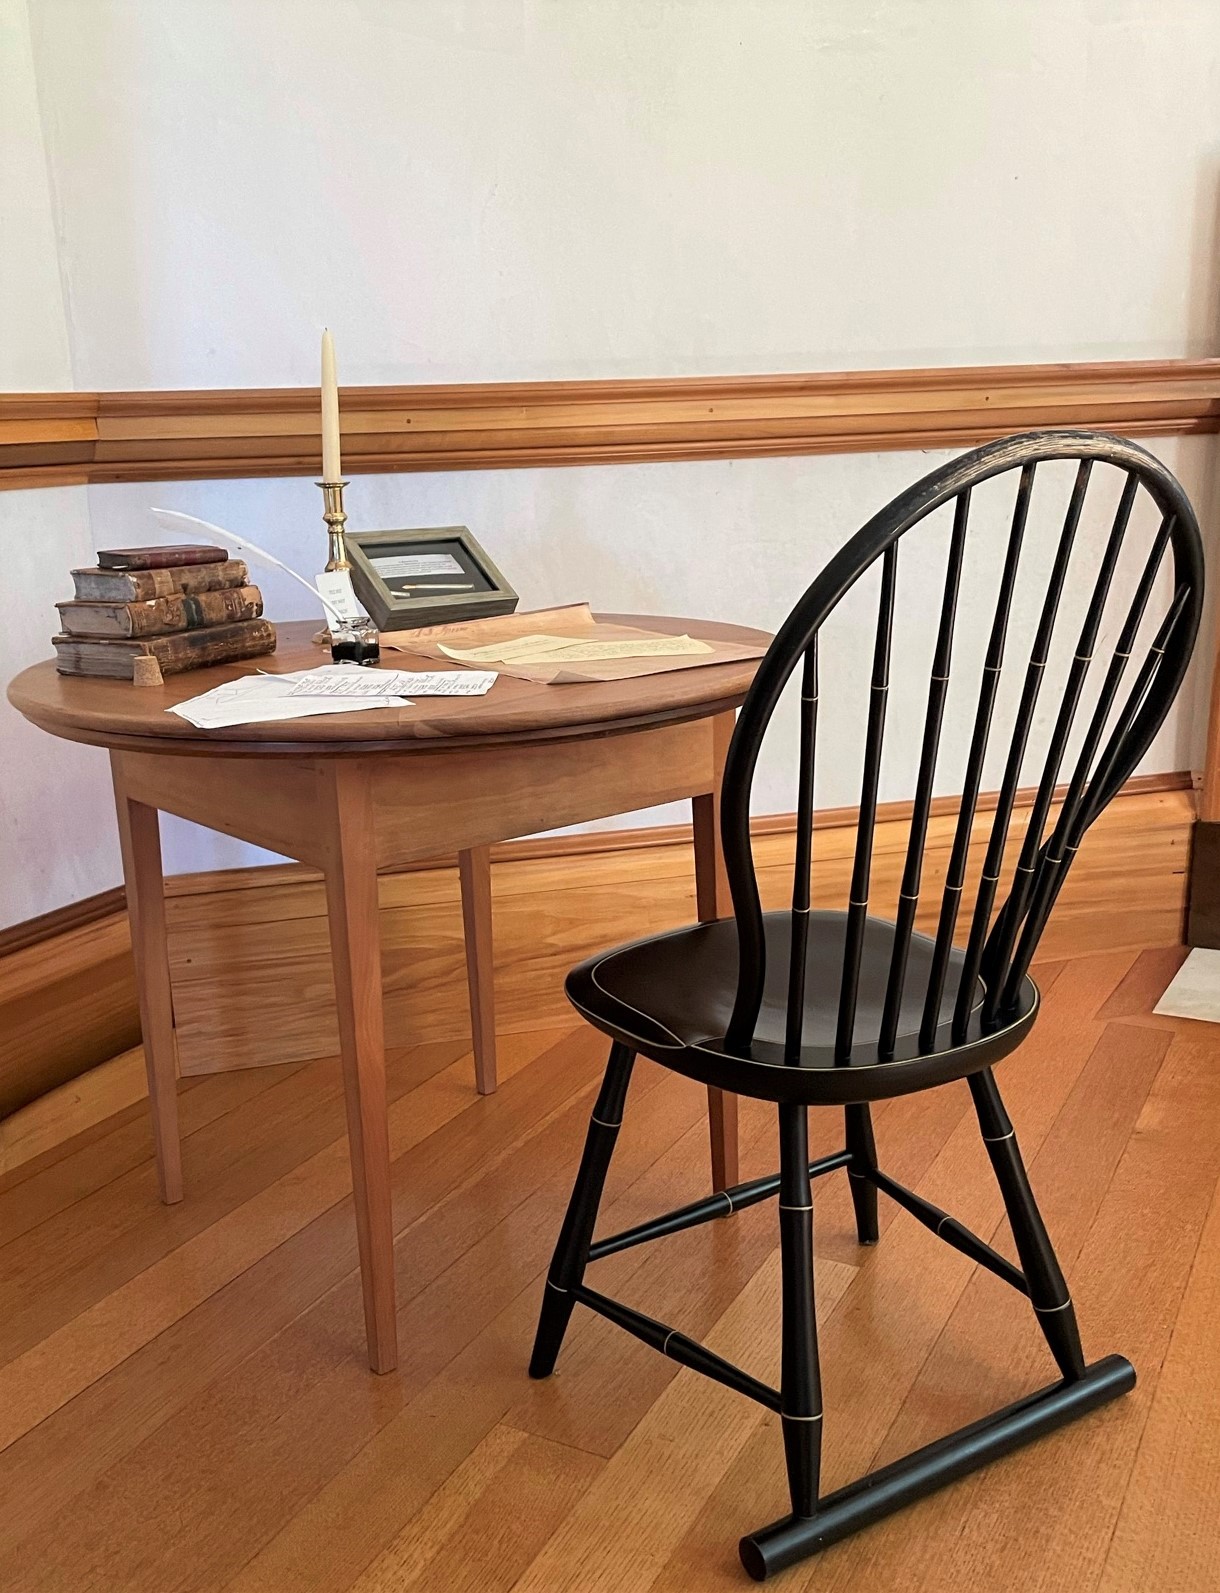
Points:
x=871, y=1498
x=718, y=1205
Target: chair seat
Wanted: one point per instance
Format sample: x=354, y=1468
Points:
x=670, y=997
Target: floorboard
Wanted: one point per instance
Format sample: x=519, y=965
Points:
x=184, y=1404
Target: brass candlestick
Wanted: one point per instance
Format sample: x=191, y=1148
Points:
x=336, y=519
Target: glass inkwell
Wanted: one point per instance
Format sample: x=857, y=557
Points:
x=354, y=641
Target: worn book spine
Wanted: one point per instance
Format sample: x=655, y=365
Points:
x=160, y=555
x=138, y=586
x=215, y=644
x=180, y=611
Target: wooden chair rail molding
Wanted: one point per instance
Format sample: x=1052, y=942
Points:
x=49, y=439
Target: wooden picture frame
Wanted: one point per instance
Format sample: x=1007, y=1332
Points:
x=432, y=576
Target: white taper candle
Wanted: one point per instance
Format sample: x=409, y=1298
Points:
x=331, y=468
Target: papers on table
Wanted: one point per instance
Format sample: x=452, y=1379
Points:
x=330, y=689
x=543, y=649
x=352, y=681
x=568, y=646
x=255, y=699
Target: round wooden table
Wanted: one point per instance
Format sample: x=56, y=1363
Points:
x=352, y=794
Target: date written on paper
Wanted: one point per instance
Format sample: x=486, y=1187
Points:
x=356, y=682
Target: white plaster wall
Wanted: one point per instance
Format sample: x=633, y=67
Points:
x=495, y=189
x=479, y=189
x=57, y=830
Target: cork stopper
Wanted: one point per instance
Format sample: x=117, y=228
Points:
x=146, y=671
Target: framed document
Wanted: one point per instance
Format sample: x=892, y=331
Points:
x=429, y=577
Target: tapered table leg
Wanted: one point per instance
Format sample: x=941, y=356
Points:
x=351, y=897
x=712, y=902
x=140, y=841
x=474, y=869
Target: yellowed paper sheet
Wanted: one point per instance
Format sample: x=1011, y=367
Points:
x=526, y=649
x=482, y=643
x=573, y=620
x=563, y=650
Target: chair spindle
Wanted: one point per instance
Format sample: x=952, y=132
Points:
x=956, y=875
x=998, y=948
x=1035, y=673
x=1058, y=852
x=801, y=878
x=857, y=906
x=1095, y=798
x=938, y=686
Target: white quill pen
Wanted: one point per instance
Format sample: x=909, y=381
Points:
x=173, y=520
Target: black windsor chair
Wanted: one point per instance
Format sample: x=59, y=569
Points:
x=818, y=1008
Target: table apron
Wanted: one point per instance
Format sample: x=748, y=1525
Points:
x=281, y=804
x=427, y=806
x=430, y=804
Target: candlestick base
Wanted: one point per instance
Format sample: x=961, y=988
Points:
x=336, y=519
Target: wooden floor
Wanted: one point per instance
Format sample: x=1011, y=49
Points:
x=184, y=1402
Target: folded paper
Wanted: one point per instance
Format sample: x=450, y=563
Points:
x=567, y=646
x=566, y=649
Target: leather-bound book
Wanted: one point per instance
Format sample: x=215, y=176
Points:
x=214, y=644
x=157, y=558
x=180, y=611
x=137, y=586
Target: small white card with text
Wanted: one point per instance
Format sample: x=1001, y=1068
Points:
x=336, y=587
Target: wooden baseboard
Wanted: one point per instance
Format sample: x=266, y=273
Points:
x=250, y=956
x=67, y=1000
x=71, y=1109
x=1203, y=922
x=52, y=925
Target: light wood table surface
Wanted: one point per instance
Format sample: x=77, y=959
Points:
x=356, y=793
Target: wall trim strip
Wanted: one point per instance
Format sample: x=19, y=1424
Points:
x=50, y=439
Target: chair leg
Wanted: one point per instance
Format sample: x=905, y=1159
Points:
x=859, y=1126
x=572, y=1247
x=474, y=873
x=722, y=1130
x=800, y=1379
x=1048, y=1292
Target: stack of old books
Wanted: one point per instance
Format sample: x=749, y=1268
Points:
x=184, y=606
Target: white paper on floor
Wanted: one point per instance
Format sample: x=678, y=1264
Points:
x=1194, y=991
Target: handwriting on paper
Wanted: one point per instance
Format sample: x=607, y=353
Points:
x=356, y=682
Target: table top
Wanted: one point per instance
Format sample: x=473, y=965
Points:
x=115, y=713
